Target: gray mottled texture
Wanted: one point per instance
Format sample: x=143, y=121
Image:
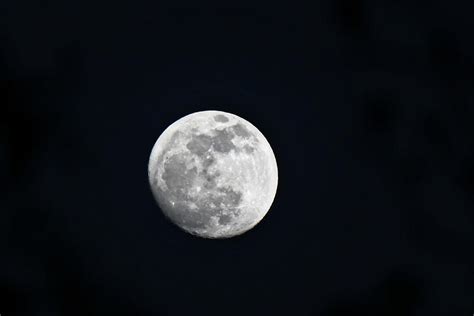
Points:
x=219, y=202
x=221, y=118
x=222, y=142
x=211, y=180
x=199, y=144
x=241, y=131
x=177, y=177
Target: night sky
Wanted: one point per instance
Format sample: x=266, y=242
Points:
x=369, y=108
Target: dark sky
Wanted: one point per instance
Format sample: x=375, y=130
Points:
x=369, y=108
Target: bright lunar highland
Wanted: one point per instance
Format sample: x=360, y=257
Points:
x=213, y=174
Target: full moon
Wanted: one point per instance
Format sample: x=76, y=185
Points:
x=213, y=174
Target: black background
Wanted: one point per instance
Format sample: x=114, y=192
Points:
x=368, y=106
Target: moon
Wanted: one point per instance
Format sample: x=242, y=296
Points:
x=213, y=174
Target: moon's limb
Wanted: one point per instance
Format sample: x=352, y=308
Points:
x=213, y=174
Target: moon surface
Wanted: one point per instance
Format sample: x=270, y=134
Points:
x=213, y=174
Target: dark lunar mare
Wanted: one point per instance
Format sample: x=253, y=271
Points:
x=199, y=144
x=222, y=142
x=179, y=180
x=241, y=130
x=177, y=177
x=221, y=118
